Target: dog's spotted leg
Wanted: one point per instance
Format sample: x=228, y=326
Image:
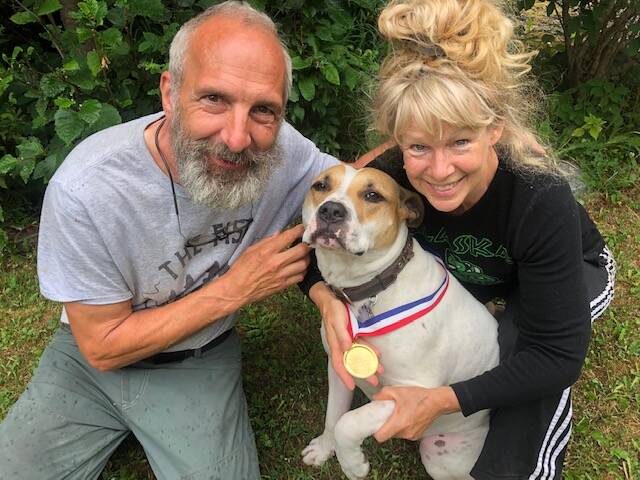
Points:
x=451, y=456
x=352, y=429
x=339, y=402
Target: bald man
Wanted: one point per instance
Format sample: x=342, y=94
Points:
x=153, y=234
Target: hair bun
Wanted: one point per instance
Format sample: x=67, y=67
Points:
x=473, y=34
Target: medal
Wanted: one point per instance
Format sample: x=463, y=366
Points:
x=360, y=361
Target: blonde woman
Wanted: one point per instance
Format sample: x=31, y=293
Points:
x=452, y=96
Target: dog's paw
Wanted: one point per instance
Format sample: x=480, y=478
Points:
x=354, y=464
x=319, y=450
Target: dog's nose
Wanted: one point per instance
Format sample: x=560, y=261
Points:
x=332, y=212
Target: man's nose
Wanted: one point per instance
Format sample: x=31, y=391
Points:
x=235, y=133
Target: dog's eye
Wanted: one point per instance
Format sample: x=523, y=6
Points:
x=373, y=197
x=320, y=186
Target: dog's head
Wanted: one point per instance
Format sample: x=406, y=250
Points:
x=357, y=210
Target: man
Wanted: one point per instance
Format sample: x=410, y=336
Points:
x=153, y=233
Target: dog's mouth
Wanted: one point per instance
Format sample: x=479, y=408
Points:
x=331, y=240
x=327, y=238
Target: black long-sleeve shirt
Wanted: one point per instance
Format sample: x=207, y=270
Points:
x=525, y=241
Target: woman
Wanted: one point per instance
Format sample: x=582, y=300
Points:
x=452, y=97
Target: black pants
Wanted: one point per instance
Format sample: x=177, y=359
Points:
x=529, y=441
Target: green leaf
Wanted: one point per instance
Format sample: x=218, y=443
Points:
x=51, y=86
x=111, y=39
x=49, y=6
x=63, y=102
x=90, y=111
x=109, y=116
x=72, y=65
x=324, y=33
x=83, y=79
x=351, y=78
x=69, y=125
x=307, y=88
x=153, y=9
x=298, y=112
x=22, y=18
x=46, y=168
x=297, y=63
x=94, y=63
x=27, y=170
x=7, y=163
x=84, y=34
x=5, y=82
x=331, y=73
x=4, y=239
x=551, y=8
x=30, y=149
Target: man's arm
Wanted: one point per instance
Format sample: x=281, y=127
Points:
x=112, y=336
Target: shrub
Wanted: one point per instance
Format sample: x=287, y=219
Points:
x=70, y=68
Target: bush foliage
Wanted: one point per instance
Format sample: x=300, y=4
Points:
x=69, y=68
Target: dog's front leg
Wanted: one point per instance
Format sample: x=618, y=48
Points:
x=338, y=403
x=352, y=429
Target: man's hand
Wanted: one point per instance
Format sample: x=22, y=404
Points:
x=267, y=267
x=334, y=319
x=416, y=408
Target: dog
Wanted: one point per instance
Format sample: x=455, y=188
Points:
x=357, y=221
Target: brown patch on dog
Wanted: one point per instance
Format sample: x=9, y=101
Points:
x=331, y=179
x=382, y=200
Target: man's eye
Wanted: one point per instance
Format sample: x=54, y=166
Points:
x=214, y=98
x=373, y=197
x=320, y=186
x=262, y=110
x=263, y=114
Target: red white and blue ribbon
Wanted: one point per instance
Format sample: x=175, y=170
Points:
x=396, y=317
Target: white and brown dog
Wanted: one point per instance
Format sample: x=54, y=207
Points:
x=357, y=221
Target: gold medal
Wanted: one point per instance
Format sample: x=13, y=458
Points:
x=360, y=361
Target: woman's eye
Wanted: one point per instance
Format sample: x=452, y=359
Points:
x=416, y=147
x=463, y=142
x=373, y=197
x=320, y=186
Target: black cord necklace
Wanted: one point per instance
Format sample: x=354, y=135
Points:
x=166, y=165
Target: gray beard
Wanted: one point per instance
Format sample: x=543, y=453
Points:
x=218, y=188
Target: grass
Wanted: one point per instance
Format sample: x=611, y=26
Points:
x=285, y=376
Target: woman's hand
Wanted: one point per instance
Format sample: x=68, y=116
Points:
x=416, y=408
x=334, y=319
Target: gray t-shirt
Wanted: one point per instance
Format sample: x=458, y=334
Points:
x=109, y=233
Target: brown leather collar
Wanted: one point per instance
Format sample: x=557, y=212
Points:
x=380, y=281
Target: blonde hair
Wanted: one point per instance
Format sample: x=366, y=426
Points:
x=456, y=63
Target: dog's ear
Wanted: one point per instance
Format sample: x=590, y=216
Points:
x=411, y=207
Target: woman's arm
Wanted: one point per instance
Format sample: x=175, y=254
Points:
x=551, y=307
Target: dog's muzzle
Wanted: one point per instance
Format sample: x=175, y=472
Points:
x=332, y=212
x=331, y=225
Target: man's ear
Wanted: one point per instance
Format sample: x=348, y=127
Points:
x=411, y=207
x=165, y=92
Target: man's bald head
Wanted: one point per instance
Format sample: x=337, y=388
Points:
x=241, y=11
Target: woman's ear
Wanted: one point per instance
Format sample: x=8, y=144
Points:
x=495, y=133
x=411, y=207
